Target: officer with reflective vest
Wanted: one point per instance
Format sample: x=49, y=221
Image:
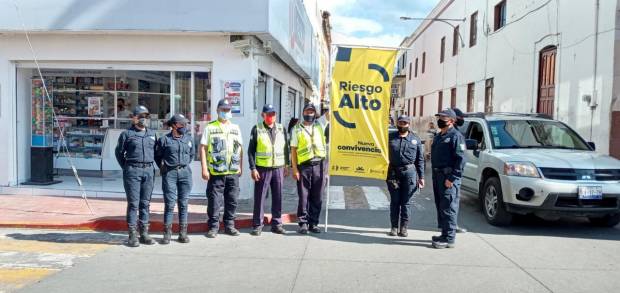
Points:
x=268, y=159
x=135, y=154
x=220, y=156
x=308, y=151
x=448, y=160
x=405, y=174
x=173, y=154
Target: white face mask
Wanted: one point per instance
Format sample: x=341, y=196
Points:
x=225, y=115
x=144, y=122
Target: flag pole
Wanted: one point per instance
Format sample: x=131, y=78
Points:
x=328, y=185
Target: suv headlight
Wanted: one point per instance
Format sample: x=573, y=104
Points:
x=522, y=169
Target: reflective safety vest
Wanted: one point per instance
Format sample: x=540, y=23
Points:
x=224, y=148
x=310, y=144
x=270, y=154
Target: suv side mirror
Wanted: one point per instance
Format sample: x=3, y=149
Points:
x=471, y=144
x=592, y=145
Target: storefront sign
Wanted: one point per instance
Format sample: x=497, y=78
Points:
x=233, y=92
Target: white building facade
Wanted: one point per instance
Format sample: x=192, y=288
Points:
x=102, y=58
x=554, y=57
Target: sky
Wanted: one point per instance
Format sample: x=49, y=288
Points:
x=374, y=22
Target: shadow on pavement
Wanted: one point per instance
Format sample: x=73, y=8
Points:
x=80, y=238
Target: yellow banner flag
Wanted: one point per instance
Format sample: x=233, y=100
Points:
x=360, y=106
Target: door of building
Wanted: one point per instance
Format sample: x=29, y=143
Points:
x=614, y=141
x=546, y=81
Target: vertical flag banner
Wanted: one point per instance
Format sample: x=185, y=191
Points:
x=360, y=106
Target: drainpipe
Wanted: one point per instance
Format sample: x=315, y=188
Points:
x=594, y=102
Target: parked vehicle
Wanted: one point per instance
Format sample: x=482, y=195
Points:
x=532, y=164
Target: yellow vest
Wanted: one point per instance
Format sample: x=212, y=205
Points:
x=310, y=146
x=224, y=148
x=270, y=154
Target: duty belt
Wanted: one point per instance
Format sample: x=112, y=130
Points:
x=178, y=167
x=140, y=165
x=405, y=167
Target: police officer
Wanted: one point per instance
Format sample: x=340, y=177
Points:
x=308, y=151
x=447, y=158
x=173, y=154
x=405, y=174
x=220, y=157
x=135, y=153
x=268, y=159
x=460, y=121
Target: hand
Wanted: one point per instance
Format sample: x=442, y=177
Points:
x=296, y=174
x=448, y=183
x=421, y=183
x=286, y=172
x=255, y=175
x=205, y=174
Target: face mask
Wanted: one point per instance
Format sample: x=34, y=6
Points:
x=270, y=119
x=225, y=115
x=309, y=118
x=182, y=130
x=442, y=123
x=460, y=122
x=402, y=129
x=143, y=122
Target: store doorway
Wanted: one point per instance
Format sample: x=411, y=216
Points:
x=546, y=81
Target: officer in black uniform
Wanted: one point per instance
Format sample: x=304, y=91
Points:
x=448, y=160
x=405, y=174
x=173, y=154
x=460, y=121
x=135, y=153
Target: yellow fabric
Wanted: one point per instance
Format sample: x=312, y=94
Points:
x=310, y=147
x=270, y=154
x=224, y=149
x=360, y=103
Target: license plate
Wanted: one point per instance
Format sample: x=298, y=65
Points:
x=590, y=192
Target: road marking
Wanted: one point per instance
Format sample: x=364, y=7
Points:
x=376, y=198
x=82, y=249
x=12, y=278
x=336, y=198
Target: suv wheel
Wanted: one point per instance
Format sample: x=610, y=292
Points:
x=606, y=221
x=493, y=203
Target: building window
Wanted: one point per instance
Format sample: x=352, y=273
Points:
x=500, y=15
x=416, y=67
x=409, y=71
x=455, y=41
x=415, y=107
x=423, y=62
x=470, y=97
x=488, y=96
x=408, y=107
x=443, y=49
x=421, y=106
x=453, y=97
x=473, y=29
x=440, y=102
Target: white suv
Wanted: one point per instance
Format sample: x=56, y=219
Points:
x=532, y=164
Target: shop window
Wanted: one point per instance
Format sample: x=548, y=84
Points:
x=500, y=15
x=473, y=29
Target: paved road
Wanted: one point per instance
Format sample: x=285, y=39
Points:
x=355, y=256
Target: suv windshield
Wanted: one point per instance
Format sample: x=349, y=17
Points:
x=534, y=134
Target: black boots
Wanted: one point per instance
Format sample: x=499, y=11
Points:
x=403, y=230
x=183, y=234
x=132, y=240
x=167, y=234
x=144, y=235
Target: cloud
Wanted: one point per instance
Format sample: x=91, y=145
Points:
x=349, y=25
x=382, y=40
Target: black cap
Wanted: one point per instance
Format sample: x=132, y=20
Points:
x=447, y=113
x=224, y=104
x=458, y=112
x=309, y=106
x=268, y=108
x=177, y=118
x=140, y=110
x=403, y=118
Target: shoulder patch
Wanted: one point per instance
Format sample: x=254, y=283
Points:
x=447, y=140
x=414, y=141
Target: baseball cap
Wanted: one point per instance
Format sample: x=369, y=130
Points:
x=268, y=108
x=309, y=106
x=447, y=113
x=403, y=118
x=458, y=112
x=140, y=110
x=224, y=104
x=177, y=118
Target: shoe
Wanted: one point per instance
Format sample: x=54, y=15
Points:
x=436, y=238
x=256, y=231
x=315, y=229
x=183, y=234
x=167, y=234
x=443, y=243
x=278, y=229
x=232, y=231
x=303, y=229
x=403, y=230
x=145, y=238
x=460, y=229
x=393, y=232
x=212, y=233
x=132, y=239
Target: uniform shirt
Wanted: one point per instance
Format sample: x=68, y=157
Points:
x=406, y=150
x=448, y=151
x=272, y=136
x=310, y=128
x=135, y=146
x=174, y=151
